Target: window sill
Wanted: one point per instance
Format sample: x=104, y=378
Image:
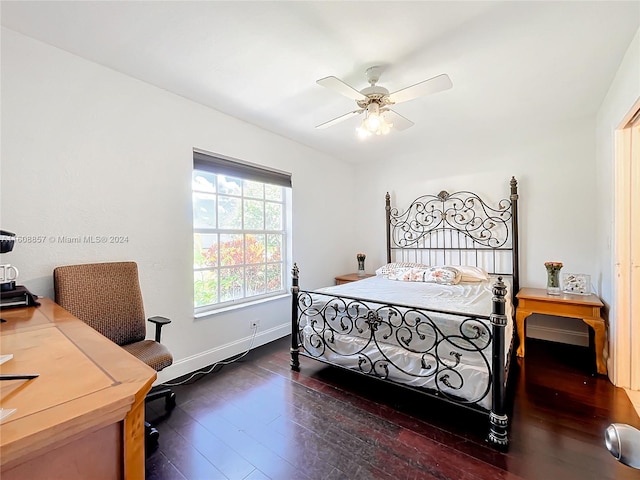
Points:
x=230, y=308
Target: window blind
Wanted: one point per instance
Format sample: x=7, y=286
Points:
x=234, y=168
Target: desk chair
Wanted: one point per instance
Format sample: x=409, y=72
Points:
x=107, y=297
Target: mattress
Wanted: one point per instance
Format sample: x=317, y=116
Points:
x=449, y=354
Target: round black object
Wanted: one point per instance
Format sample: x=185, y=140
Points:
x=7, y=240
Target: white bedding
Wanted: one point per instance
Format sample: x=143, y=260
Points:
x=467, y=297
x=410, y=352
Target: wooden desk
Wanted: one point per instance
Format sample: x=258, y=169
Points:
x=585, y=307
x=83, y=417
x=351, y=277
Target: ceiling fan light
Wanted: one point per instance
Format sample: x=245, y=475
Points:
x=373, y=123
x=373, y=120
x=385, y=128
x=363, y=132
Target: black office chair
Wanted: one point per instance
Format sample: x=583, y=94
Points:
x=107, y=297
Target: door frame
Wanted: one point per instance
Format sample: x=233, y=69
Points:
x=625, y=359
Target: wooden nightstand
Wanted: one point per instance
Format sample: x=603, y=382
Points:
x=351, y=277
x=585, y=307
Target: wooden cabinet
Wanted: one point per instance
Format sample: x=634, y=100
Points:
x=351, y=277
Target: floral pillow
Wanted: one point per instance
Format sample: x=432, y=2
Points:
x=440, y=275
x=395, y=267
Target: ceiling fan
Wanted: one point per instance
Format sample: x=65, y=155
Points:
x=374, y=101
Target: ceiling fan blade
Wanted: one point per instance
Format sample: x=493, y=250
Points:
x=426, y=87
x=339, y=86
x=399, y=122
x=339, y=119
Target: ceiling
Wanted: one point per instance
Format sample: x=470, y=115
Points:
x=510, y=62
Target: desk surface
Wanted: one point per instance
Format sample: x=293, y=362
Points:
x=85, y=383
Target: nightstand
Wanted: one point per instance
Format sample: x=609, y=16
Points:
x=585, y=307
x=351, y=277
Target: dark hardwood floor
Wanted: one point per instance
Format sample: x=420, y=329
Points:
x=256, y=419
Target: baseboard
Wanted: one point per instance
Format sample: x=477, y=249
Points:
x=209, y=357
x=190, y=364
x=561, y=335
x=634, y=398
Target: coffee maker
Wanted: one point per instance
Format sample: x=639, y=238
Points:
x=12, y=295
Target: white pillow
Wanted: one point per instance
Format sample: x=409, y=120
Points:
x=472, y=274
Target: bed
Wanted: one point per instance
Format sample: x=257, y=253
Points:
x=438, y=316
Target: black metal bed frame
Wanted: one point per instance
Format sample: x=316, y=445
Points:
x=458, y=228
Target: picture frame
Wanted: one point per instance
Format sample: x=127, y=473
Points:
x=576, y=283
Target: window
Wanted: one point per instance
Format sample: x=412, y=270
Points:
x=239, y=231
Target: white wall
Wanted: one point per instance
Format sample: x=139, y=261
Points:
x=623, y=93
x=555, y=168
x=89, y=151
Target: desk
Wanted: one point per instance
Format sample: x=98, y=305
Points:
x=585, y=307
x=83, y=417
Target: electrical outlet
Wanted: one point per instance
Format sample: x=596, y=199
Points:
x=254, y=324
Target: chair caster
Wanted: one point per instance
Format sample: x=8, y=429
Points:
x=151, y=438
x=170, y=402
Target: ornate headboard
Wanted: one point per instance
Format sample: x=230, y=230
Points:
x=457, y=229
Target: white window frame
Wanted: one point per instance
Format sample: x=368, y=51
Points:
x=220, y=165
